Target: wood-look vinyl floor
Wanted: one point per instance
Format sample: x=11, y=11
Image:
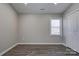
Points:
x=41, y=50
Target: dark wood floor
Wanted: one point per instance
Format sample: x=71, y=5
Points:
x=41, y=50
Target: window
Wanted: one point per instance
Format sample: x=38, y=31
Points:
x=55, y=27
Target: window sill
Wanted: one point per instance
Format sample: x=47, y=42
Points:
x=56, y=35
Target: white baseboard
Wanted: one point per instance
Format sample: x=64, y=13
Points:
x=7, y=49
x=41, y=43
x=64, y=44
x=71, y=48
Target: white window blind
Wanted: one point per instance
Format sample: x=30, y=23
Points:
x=55, y=27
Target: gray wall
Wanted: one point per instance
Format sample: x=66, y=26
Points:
x=71, y=27
x=35, y=28
x=8, y=27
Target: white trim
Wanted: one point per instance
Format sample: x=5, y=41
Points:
x=70, y=47
x=8, y=49
x=41, y=43
x=64, y=44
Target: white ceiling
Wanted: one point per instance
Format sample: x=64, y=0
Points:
x=35, y=7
